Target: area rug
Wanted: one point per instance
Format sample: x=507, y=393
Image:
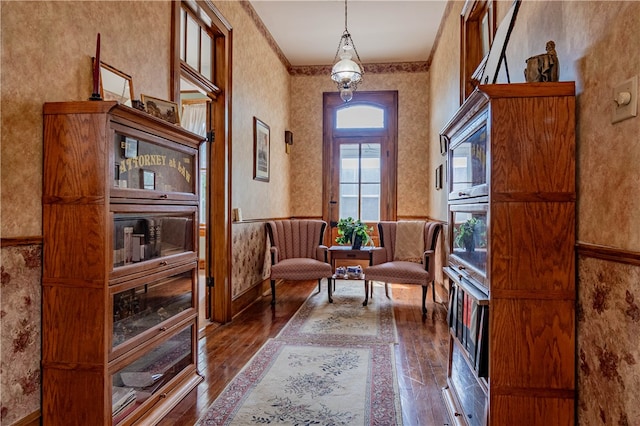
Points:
x=344, y=320
x=298, y=383
x=332, y=364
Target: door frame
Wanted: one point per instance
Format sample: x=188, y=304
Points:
x=388, y=100
x=219, y=180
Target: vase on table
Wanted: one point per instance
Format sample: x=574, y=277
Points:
x=356, y=241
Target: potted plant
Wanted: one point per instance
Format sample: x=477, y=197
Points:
x=465, y=237
x=352, y=231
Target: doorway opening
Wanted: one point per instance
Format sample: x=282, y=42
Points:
x=201, y=76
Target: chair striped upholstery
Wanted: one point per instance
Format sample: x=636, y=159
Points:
x=297, y=252
x=387, y=270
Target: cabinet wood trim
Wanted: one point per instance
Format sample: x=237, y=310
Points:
x=533, y=295
x=533, y=197
x=527, y=392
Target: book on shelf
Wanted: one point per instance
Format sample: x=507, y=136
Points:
x=459, y=313
x=138, y=247
x=121, y=398
x=140, y=379
x=143, y=394
x=158, y=242
x=155, y=238
x=117, y=418
x=128, y=244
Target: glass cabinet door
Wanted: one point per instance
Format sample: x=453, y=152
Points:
x=142, y=306
x=150, y=164
x=469, y=243
x=469, y=235
x=140, y=237
x=145, y=376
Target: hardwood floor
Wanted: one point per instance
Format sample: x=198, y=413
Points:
x=421, y=355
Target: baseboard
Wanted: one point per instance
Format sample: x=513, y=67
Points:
x=250, y=296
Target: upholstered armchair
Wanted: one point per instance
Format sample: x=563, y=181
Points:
x=408, y=256
x=297, y=253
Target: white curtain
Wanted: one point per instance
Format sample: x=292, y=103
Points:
x=194, y=118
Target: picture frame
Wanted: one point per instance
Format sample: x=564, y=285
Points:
x=444, y=144
x=161, y=108
x=130, y=147
x=497, y=53
x=148, y=179
x=261, y=150
x=439, y=177
x=115, y=85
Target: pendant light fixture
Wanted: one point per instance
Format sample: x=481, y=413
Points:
x=346, y=72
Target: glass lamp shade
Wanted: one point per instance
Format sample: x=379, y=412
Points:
x=346, y=94
x=346, y=71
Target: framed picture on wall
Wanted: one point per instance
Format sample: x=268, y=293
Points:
x=261, y=145
x=439, y=177
x=444, y=144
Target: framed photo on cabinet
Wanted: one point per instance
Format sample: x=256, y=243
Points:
x=114, y=84
x=165, y=110
x=148, y=179
x=130, y=147
x=261, y=148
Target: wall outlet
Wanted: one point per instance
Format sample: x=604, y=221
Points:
x=625, y=100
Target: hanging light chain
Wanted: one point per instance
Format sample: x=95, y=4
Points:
x=346, y=84
x=345, y=16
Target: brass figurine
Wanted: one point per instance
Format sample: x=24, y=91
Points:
x=543, y=67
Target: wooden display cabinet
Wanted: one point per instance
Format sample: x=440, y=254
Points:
x=512, y=303
x=120, y=302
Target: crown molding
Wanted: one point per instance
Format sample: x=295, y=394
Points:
x=383, y=68
x=265, y=32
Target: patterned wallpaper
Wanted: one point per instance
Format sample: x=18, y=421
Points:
x=49, y=60
x=444, y=87
x=251, y=259
x=260, y=89
x=609, y=343
x=20, y=336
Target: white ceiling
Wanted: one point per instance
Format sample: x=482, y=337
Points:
x=383, y=31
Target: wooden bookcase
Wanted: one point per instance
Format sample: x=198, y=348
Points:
x=120, y=302
x=512, y=307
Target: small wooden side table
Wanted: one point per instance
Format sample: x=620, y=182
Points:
x=348, y=253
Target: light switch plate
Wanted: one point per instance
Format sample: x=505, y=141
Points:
x=622, y=112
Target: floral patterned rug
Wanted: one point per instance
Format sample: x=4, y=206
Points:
x=289, y=383
x=333, y=364
x=344, y=320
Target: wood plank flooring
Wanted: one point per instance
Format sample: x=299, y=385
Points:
x=421, y=355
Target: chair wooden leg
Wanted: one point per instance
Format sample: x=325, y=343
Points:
x=386, y=289
x=366, y=292
x=433, y=290
x=424, y=298
x=319, y=288
x=273, y=292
